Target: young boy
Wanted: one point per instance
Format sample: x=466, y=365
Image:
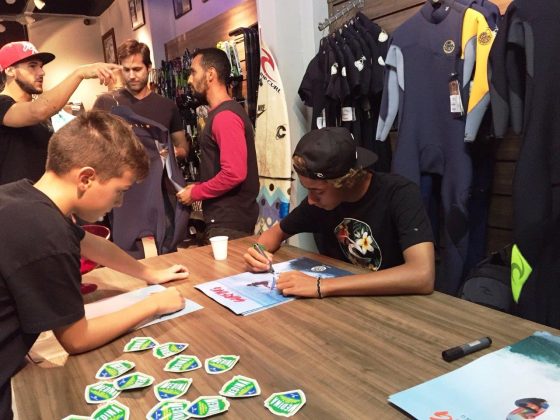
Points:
x=91, y=162
x=373, y=220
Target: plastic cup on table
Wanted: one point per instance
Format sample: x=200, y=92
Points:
x=219, y=247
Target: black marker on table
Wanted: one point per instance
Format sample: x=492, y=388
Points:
x=455, y=353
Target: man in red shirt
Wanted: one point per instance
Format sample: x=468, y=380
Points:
x=228, y=171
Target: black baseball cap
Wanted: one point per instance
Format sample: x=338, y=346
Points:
x=331, y=152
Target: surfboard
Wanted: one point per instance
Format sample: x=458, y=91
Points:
x=272, y=142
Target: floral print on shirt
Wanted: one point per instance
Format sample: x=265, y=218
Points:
x=358, y=244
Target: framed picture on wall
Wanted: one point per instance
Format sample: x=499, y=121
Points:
x=136, y=8
x=181, y=7
x=109, y=46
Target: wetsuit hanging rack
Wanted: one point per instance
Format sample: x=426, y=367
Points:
x=353, y=4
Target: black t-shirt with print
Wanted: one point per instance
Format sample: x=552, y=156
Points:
x=372, y=232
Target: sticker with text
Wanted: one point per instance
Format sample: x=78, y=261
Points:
x=133, y=381
x=183, y=363
x=101, y=392
x=112, y=411
x=240, y=387
x=169, y=410
x=168, y=349
x=220, y=364
x=140, y=344
x=285, y=404
x=172, y=388
x=115, y=369
x=207, y=406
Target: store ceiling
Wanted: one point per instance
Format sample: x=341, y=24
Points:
x=90, y=8
x=16, y=15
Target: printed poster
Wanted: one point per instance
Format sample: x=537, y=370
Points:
x=521, y=381
x=247, y=293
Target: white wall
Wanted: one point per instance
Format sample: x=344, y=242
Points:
x=290, y=30
x=117, y=17
x=73, y=44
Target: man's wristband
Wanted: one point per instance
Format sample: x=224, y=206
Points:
x=319, y=295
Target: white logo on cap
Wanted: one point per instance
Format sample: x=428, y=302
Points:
x=319, y=175
x=28, y=46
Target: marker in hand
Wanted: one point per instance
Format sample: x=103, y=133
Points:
x=260, y=249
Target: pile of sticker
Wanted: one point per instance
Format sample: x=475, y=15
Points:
x=168, y=392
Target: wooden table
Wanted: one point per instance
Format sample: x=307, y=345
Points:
x=347, y=354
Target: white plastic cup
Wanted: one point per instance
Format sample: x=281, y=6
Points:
x=219, y=247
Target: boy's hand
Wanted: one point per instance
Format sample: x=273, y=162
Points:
x=175, y=272
x=296, y=283
x=168, y=301
x=256, y=262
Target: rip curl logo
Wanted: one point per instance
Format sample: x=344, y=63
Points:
x=358, y=244
x=449, y=46
x=28, y=46
x=267, y=59
x=485, y=37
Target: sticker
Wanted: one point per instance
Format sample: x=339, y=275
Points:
x=169, y=410
x=241, y=387
x=183, y=363
x=76, y=417
x=220, y=364
x=168, y=350
x=285, y=404
x=133, y=381
x=140, y=344
x=115, y=369
x=101, y=392
x=207, y=406
x=172, y=388
x=112, y=411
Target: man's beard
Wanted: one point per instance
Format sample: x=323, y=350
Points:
x=140, y=87
x=28, y=87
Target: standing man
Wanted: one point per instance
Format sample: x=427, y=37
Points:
x=228, y=165
x=24, y=132
x=135, y=59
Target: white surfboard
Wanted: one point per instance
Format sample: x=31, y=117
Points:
x=272, y=142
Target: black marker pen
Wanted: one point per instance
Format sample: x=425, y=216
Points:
x=455, y=353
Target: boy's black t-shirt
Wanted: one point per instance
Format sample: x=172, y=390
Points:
x=39, y=272
x=372, y=232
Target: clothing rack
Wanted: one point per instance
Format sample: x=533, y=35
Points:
x=353, y=4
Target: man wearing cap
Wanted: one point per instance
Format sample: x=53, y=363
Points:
x=24, y=133
x=374, y=220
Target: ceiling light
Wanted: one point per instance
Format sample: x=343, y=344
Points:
x=10, y=1
x=39, y=4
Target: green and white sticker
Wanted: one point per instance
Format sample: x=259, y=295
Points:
x=169, y=410
x=111, y=411
x=168, y=349
x=172, y=388
x=140, y=344
x=101, y=392
x=133, y=381
x=183, y=363
x=285, y=404
x=220, y=364
x=207, y=406
x=114, y=369
x=76, y=417
x=240, y=387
